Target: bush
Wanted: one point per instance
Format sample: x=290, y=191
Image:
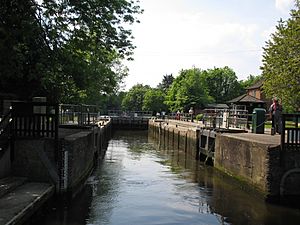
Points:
x=199, y=117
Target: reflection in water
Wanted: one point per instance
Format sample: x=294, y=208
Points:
x=138, y=183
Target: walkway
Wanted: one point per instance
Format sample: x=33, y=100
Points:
x=20, y=199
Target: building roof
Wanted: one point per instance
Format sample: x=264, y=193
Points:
x=257, y=85
x=217, y=106
x=246, y=99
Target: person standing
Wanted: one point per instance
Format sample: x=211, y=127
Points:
x=191, y=112
x=275, y=111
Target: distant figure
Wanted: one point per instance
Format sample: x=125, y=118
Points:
x=275, y=111
x=191, y=112
x=178, y=115
x=157, y=115
x=163, y=113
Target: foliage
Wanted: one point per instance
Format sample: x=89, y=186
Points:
x=154, y=101
x=222, y=84
x=199, y=117
x=134, y=98
x=166, y=82
x=67, y=50
x=251, y=80
x=281, y=65
x=187, y=90
x=23, y=53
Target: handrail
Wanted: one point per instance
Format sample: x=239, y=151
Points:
x=290, y=135
x=5, y=131
x=3, y=119
x=35, y=119
x=79, y=115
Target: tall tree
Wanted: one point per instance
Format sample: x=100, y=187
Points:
x=134, y=98
x=154, y=101
x=23, y=52
x=222, y=84
x=281, y=64
x=72, y=48
x=251, y=79
x=166, y=82
x=188, y=89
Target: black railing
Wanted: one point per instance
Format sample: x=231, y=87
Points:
x=35, y=119
x=5, y=132
x=79, y=115
x=120, y=113
x=290, y=136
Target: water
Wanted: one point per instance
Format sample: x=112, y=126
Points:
x=139, y=184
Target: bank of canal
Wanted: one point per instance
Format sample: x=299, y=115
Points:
x=140, y=183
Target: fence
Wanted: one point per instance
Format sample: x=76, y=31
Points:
x=290, y=136
x=5, y=132
x=120, y=113
x=35, y=119
x=226, y=118
x=80, y=115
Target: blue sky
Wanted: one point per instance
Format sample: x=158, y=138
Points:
x=181, y=34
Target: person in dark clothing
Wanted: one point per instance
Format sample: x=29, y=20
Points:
x=275, y=111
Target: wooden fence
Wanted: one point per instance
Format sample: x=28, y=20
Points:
x=35, y=119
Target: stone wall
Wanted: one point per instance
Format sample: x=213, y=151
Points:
x=255, y=163
x=171, y=136
x=77, y=152
x=34, y=159
x=80, y=156
x=5, y=163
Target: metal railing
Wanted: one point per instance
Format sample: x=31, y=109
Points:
x=290, y=136
x=225, y=118
x=5, y=132
x=80, y=115
x=120, y=113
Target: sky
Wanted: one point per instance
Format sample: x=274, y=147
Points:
x=182, y=34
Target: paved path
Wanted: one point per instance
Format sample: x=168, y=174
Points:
x=19, y=204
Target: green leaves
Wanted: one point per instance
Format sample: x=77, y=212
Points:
x=281, y=65
x=134, y=98
x=187, y=90
x=222, y=84
x=67, y=50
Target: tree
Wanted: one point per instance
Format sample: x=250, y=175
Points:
x=166, y=82
x=188, y=90
x=281, y=65
x=68, y=50
x=222, y=84
x=154, y=101
x=23, y=52
x=251, y=80
x=134, y=98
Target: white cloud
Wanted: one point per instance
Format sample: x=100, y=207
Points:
x=171, y=38
x=167, y=44
x=284, y=5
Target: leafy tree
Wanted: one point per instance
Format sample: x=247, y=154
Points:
x=134, y=98
x=251, y=80
x=187, y=90
x=114, y=101
x=166, y=82
x=222, y=84
x=69, y=50
x=281, y=65
x=23, y=52
x=154, y=101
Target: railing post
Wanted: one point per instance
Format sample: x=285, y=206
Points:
x=283, y=118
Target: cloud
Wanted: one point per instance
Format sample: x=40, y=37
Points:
x=170, y=40
x=284, y=5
